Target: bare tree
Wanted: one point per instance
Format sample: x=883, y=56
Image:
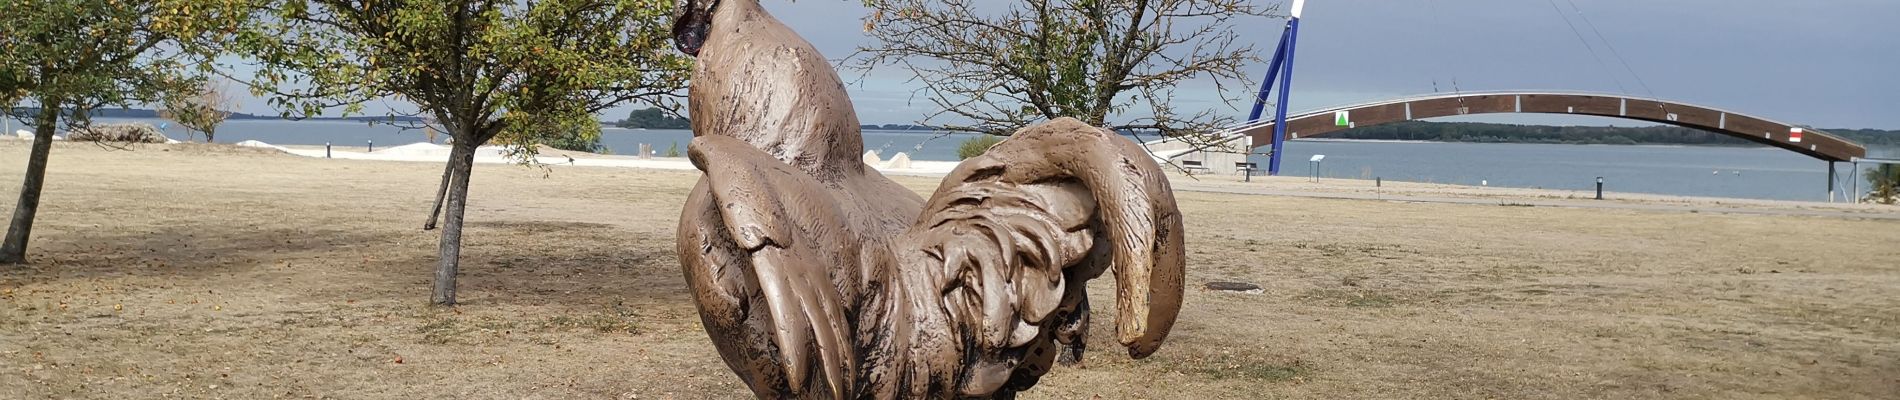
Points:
x=1112, y=63
x=200, y=109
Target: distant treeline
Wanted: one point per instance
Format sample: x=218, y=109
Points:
x=653, y=118
x=1508, y=133
x=1869, y=137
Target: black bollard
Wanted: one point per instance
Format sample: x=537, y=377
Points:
x=326, y=149
x=1378, y=182
x=1599, y=188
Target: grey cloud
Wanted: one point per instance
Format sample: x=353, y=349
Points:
x=1827, y=63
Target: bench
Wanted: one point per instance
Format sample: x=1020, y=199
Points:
x=1246, y=168
x=1193, y=166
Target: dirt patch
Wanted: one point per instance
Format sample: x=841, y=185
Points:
x=216, y=272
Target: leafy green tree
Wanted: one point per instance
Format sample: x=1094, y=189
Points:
x=1011, y=64
x=1883, y=183
x=976, y=146
x=484, y=69
x=571, y=135
x=69, y=57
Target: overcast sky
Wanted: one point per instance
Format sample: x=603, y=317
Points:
x=1824, y=63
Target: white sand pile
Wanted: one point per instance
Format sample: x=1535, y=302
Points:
x=27, y=135
x=416, y=149
x=435, y=153
x=257, y=144
x=924, y=168
x=899, y=161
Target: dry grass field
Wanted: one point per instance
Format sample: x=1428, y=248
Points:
x=217, y=272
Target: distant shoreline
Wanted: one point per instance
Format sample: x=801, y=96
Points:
x=1335, y=140
x=140, y=113
x=1412, y=132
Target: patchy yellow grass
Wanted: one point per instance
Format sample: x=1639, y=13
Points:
x=212, y=272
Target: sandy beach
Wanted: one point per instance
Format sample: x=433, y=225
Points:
x=219, y=271
x=434, y=153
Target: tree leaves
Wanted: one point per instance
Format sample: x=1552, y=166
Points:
x=480, y=67
x=85, y=54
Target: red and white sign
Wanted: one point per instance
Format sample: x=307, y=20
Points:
x=1794, y=135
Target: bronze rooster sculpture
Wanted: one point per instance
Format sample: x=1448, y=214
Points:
x=817, y=277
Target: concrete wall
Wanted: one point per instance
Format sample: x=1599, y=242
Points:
x=1215, y=159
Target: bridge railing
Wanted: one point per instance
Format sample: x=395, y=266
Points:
x=1254, y=128
x=1529, y=92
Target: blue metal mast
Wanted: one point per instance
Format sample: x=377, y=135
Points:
x=1281, y=69
x=1273, y=71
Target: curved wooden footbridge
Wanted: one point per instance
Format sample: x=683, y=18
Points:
x=1318, y=123
x=1796, y=138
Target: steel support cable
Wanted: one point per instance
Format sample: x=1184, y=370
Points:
x=1439, y=24
x=1587, y=46
x=1619, y=56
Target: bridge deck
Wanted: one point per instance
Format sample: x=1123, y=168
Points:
x=1794, y=138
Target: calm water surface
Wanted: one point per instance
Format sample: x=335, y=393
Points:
x=1742, y=172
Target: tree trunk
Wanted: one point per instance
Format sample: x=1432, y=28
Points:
x=13, y=250
x=441, y=191
x=450, y=252
x=448, y=169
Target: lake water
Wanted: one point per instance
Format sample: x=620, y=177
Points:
x=1742, y=172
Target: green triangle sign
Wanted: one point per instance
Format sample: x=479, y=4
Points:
x=1342, y=118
